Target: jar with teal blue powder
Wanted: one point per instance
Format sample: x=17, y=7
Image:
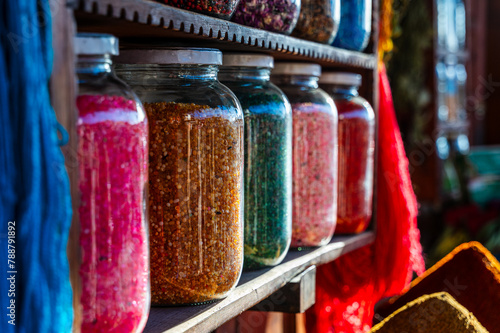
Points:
x=268, y=158
x=355, y=24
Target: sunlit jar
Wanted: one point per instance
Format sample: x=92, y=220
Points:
x=268, y=157
x=318, y=21
x=113, y=171
x=195, y=172
x=356, y=151
x=314, y=154
x=222, y=9
x=271, y=15
x=355, y=24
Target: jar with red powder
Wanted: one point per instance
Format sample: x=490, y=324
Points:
x=113, y=171
x=195, y=172
x=314, y=154
x=356, y=151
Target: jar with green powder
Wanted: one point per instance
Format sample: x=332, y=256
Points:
x=268, y=157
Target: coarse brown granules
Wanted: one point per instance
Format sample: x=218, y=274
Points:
x=436, y=313
x=195, y=170
x=470, y=273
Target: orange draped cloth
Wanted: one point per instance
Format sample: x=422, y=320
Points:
x=348, y=288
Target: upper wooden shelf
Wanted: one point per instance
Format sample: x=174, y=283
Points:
x=253, y=287
x=143, y=18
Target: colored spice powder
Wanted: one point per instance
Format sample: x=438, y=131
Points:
x=112, y=154
x=271, y=15
x=195, y=177
x=318, y=20
x=314, y=174
x=268, y=172
x=356, y=153
x=355, y=24
x=435, y=313
x=268, y=190
x=223, y=9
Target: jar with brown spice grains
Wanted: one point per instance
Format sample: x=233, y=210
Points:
x=195, y=172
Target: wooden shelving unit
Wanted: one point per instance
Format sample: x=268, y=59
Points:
x=152, y=23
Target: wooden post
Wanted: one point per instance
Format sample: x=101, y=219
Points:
x=63, y=92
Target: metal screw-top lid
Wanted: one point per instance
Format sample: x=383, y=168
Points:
x=95, y=44
x=296, y=68
x=247, y=60
x=171, y=55
x=348, y=79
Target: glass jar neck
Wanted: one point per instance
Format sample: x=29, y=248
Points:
x=343, y=90
x=154, y=74
x=244, y=74
x=304, y=81
x=93, y=64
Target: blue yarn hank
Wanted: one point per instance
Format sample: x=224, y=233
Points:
x=34, y=183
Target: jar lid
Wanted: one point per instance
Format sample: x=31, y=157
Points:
x=247, y=60
x=95, y=44
x=171, y=55
x=297, y=68
x=348, y=79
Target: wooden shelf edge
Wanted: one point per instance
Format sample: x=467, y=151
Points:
x=253, y=287
x=158, y=20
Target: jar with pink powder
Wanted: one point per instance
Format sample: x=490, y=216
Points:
x=112, y=159
x=314, y=153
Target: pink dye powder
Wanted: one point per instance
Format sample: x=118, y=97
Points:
x=112, y=154
x=314, y=174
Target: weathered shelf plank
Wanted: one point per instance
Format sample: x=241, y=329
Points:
x=144, y=18
x=253, y=287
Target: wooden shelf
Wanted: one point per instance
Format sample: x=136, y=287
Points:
x=253, y=287
x=143, y=19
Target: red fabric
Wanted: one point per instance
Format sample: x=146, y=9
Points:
x=348, y=288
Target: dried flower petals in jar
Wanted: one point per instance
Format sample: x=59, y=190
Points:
x=270, y=15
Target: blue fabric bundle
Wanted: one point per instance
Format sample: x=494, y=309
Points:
x=34, y=187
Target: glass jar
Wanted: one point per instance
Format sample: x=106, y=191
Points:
x=195, y=172
x=318, y=21
x=270, y=15
x=113, y=171
x=356, y=151
x=355, y=24
x=268, y=158
x=222, y=9
x=314, y=155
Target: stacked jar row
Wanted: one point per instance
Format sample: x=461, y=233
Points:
x=207, y=143
x=345, y=23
